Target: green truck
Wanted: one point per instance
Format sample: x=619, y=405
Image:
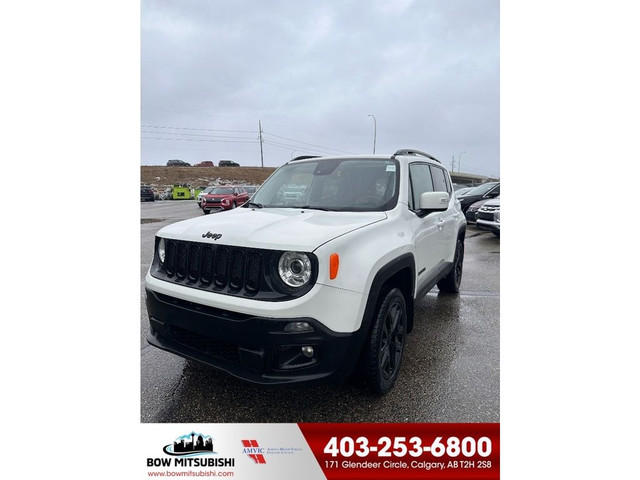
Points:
x=181, y=192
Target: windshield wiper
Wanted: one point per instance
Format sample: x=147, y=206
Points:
x=254, y=204
x=309, y=207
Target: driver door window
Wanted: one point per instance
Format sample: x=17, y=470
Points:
x=420, y=182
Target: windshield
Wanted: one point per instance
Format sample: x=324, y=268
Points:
x=337, y=184
x=482, y=189
x=222, y=191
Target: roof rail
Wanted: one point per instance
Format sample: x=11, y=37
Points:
x=407, y=151
x=304, y=157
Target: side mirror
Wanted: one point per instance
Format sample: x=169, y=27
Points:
x=434, y=201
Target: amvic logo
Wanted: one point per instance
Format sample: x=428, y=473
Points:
x=253, y=451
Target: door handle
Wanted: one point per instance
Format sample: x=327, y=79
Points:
x=440, y=223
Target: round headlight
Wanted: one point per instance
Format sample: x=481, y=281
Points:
x=161, y=250
x=294, y=268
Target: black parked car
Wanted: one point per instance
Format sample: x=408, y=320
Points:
x=177, y=163
x=147, y=195
x=228, y=163
x=472, y=211
x=481, y=192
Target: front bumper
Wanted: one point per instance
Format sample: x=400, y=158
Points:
x=214, y=207
x=253, y=348
x=470, y=215
x=488, y=225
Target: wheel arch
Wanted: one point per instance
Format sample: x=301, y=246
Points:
x=462, y=231
x=399, y=273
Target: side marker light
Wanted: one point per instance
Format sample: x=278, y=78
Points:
x=334, y=265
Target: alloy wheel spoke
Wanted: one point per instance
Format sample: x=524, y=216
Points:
x=385, y=360
x=394, y=317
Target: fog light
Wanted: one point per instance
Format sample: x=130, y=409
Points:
x=296, y=327
x=290, y=357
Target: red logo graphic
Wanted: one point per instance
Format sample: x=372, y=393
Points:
x=253, y=451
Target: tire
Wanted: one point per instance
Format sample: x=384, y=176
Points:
x=383, y=351
x=233, y=205
x=451, y=283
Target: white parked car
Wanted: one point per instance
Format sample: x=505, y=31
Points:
x=305, y=287
x=203, y=193
x=488, y=217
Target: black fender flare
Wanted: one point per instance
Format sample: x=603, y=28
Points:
x=404, y=261
x=386, y=272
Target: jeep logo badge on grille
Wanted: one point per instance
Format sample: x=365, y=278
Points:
x=215, y=236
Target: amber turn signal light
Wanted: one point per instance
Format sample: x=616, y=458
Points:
x=334, y=264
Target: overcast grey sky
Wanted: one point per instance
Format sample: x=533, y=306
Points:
x=313, y=72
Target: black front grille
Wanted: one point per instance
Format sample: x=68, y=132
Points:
x=194, y=262
x=485, y=216
x=236, y=272
x=208, y=345
x=181, y=262
x=219, y=267
x=226, y=269
x=254, y=261
x=206, y=274
x=170, y=261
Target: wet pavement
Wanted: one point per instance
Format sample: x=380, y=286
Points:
x=450, y=370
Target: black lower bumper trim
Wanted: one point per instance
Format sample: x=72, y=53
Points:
x=491, y=227
x=256, y=349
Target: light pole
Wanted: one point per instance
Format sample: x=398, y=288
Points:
x=375, y=128
x=459, y=160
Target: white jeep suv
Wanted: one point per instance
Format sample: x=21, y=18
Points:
x=305, y=288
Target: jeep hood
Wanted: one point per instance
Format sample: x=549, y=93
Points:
x=271, y=228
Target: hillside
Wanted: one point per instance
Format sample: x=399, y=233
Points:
x=160, y=177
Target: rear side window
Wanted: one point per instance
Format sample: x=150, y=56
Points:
x=421, y=182
x=440, y=183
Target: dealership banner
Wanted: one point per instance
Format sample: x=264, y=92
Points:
x=322, y=451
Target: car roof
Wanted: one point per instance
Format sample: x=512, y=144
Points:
x=404, y=154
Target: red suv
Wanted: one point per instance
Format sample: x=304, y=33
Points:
x=206, y=163
x=223, y=198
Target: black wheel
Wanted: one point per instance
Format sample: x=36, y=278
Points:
x=206, y=212
x=451, y=283
x=234, y=205
x=383, y=354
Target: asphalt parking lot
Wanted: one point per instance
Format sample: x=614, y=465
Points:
x=450, y=370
